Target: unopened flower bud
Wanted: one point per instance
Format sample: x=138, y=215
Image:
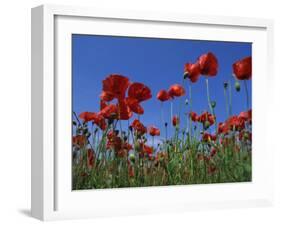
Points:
x=213, y=104
x=132, y=157
x=237, y=86
x=225, y=85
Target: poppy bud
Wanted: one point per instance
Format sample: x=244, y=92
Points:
x=130, y=128
x=213, y=104
x=125, y=138
x=237, y=86
x=166, y=124
x=185, y=75
x=96, y=130
x=186, y=102
x=132, y=157
x=74, y=123
x=225, y=85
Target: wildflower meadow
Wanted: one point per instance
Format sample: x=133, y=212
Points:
x=115, y=147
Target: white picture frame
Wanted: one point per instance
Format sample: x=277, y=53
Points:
x=52, y=197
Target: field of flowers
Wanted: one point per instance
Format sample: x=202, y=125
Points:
x=108, y=155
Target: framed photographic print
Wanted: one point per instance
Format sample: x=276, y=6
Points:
x=137, y=112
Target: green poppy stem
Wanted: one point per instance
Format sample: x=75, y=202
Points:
x=226, y=101
x=171, y=114
x=209, y=103
x=190, y=104
x=230, y=97
x=247, y=95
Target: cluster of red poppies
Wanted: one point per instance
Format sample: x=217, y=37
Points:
x=120, y=98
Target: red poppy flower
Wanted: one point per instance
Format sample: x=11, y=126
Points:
x=235, y=123
x=208, y=64
x=138, y=127
x=96, y=118
x=134, y=105
x=176, y=90
x=153, y=131
x=127, y=146
x=79, y=140
x=207, y=137
x=222, y=128
x=87, y=116
x=246, y=115
x=242, y=69
x=175, y=120
x=192, y=71
x=124, y=111
x=106, y=96
x=111, y=135
x=163, y=95
x=115, y=143
x=193, y=116
x=139, y=91
x=110, y=111
x=115, y=86
x=90, y=158
x=206, y=117
x=145, y=149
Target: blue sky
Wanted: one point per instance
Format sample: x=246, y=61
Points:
x=158, y=63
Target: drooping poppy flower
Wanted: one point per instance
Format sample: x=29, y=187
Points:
x=124, y=111
x=153, y=131
x=242, y=69
x=134, y=105
x=138, y=127
x=115, y=86
x=176, y=90
x=79, y=140
x=175, y=120
x=192, y=71
x=207, y=137
x=163, y=95
x=208, y=64
x=90, y=158
x=139, y=91
x=193, y=116
x=87, y=116
x=109, y=112
x=106, y=96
